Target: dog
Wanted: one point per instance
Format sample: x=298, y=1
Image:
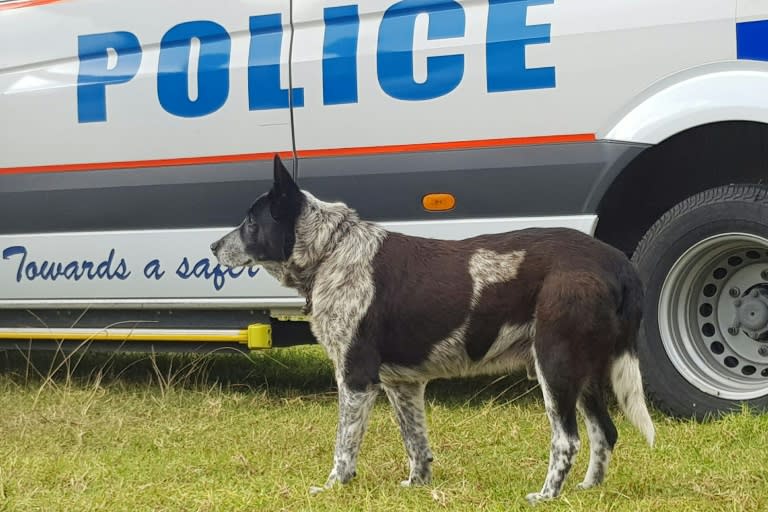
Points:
x=394, y=312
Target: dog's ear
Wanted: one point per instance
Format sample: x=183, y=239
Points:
x=283, y=182
x=285, y=194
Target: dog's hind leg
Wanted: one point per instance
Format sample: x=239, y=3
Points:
x=354, y=410
x=407, y=399
x=560, y=395
x=602, y=434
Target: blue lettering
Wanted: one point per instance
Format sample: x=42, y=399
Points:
x=95, y=73
x=88, y=267
x=73, y=270
x=395, y=51
x=252, y=271
x=115, y=57
x=342, y=25
x=183, y=269
x=506, y=38
x=15, y=250
x=264, y=91
x=49, y=270
x=201, y=268
x=104, y=270
x=204, y=269
x=122, y=272
x=152, y=269
x=31, y=270
x=212, y=74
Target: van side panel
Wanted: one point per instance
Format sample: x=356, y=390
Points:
x=449, y=71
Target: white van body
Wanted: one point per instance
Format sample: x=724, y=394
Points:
x=136, y=133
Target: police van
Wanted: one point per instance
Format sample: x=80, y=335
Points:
x=136, y=133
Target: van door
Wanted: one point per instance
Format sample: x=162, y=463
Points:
x=133, y=135
x=498, y=102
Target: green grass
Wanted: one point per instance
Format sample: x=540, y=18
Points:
x=136, y=433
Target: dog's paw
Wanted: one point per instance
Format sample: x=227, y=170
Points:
x=315, y=490
x=583, y=486
x=537, y=497
x=415, y=481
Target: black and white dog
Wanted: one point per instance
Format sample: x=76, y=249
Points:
x=395, y=311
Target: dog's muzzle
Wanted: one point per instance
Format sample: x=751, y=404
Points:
x=229, y=250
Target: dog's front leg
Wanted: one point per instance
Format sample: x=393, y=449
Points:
x=407, y=398
x=354, y=410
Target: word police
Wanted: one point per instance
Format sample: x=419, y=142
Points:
x=507, y=36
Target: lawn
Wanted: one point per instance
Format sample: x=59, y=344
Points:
x=194, y=433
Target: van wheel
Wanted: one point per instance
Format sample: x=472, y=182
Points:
x=704, y=338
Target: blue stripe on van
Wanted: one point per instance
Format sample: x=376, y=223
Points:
x=752, y=40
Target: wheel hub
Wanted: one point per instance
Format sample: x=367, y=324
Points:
x=752, y=314
x=713, y=316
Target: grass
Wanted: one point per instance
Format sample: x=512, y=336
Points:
x=194, y=433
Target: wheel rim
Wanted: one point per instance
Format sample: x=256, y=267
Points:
x=715, y=285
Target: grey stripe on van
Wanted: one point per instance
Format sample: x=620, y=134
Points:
x=552, y=179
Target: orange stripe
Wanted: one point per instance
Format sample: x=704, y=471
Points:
x=138, y=164
x=308, y=153
x=27, y=3
x=436, y=146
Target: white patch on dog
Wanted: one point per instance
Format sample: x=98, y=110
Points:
x=510, y=335
x=449, y=357
x=628, y=386
x=488, y=267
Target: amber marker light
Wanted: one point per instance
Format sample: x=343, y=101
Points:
x=438, y=202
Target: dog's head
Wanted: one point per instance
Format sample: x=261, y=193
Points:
x=267, y=234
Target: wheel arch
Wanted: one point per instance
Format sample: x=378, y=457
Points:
x=700, y=95
x=682, y=165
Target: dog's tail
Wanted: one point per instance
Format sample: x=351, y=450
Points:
x=626, y=379
x=628, y=385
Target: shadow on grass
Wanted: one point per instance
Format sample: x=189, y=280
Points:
x=278, y=372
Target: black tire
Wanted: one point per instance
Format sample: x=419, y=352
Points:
x=722, y=210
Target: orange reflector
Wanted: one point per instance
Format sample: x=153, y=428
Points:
x=438, y=202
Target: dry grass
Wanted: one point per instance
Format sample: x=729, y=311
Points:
x=234, y=433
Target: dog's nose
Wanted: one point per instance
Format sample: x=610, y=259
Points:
x=215, y=245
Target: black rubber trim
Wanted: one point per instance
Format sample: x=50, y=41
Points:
x=289, y=333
